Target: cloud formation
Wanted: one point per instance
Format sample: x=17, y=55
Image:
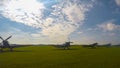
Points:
x=65, y=17
x=117, y=2
x=109, y=26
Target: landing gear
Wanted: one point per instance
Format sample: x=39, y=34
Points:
x=1, y=50
x=11, y=49
x=66, y=48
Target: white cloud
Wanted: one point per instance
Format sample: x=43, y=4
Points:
x=79, y=32
x=109, y=26
x=65, y=18
x=74, y=13
x=117, y=2
x=22, y=11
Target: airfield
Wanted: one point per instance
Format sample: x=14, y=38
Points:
x=51, y=57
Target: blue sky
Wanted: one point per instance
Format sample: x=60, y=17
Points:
x=54, y=21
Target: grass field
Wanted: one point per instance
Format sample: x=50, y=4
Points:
x=50, y=57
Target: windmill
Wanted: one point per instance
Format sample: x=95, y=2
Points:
x=5, y=43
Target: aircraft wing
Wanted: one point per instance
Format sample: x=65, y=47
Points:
x=59, y=46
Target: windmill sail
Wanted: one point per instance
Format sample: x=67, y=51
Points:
x=1, y=38
x=8, y=37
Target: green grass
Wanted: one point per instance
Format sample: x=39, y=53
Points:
x=50, y=57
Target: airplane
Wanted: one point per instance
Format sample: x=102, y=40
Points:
x=5, y=44
x=91, y=45
x=66, y=45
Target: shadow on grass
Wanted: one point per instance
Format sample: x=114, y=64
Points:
x=90, y=48
x=66, y=49
x=15, y=51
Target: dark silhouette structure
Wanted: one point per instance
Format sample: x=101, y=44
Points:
x=91, y=45
x=5, y=43
x=66, y=45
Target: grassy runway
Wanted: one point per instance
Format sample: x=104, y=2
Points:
x=50, y=57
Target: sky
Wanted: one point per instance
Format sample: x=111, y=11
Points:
x=55, y=21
